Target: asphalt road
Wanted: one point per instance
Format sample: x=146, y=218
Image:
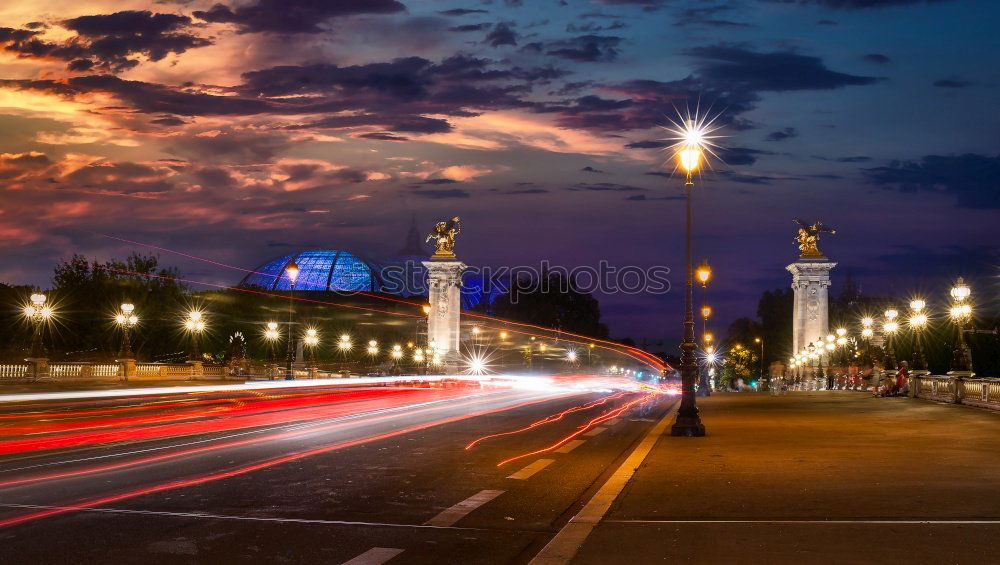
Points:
x=318, y=476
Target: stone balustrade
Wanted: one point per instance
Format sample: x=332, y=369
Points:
x=971, y=391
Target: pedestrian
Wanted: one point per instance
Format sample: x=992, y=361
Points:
x=902, y=378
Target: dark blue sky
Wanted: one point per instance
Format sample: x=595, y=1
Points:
x=237, y=131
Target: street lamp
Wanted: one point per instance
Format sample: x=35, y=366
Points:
x=126, y=320
x=961, y=314
x=571, y=356
x=292, y=271
x=689, y=152
x=311, y=340
x=271, y=336
x=194, y=324
x=760, y=341
x=890, y=327
x=918, y=321
x=38, y=313
x=704, y=273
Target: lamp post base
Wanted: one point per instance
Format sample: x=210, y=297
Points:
x=688, y=426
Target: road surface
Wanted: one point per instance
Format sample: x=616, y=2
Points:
x=314, y=475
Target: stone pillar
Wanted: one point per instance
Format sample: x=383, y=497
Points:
x=126, y=369
x=38, y=368
x=197, y=369
x=444, y=278
x=810, y=309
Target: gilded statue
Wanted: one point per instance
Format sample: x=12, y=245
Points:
x=443, y=235
x=808, y=238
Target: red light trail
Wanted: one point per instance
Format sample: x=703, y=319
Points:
x=547, y=420
x=614, y=413
x=245, y=469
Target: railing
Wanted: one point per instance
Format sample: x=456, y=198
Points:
x=13, y=372
x=981, y=392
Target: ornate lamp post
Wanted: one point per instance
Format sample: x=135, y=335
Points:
x=311, y=340
x=271, y=336
x=126, y=320
x=37, y=313
x=195, y=325
x=292, y=271
x=961, y=314
x=918, y=322
x=760, y=341
x=689, y=152
x=890, y=327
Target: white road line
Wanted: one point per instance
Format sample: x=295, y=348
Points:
x=531, y=469
x=374, y=556
x=564, y=546
x=570, y=446
x=594, y=432
x=811, y=522
x=206, y=516
x=613, y=421
x=452, y=515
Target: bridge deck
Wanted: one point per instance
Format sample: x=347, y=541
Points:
x=814, y=477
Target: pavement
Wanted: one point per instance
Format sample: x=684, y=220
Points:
x=826, y=477
x=371, y=476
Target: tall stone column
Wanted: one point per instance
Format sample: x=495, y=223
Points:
x=810, y=310
x=444, y=321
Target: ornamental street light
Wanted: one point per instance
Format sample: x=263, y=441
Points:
x=961, y=314
x=38, y=314
x=689, y=152
x=704, y=273
x=571, y=356
x=760, y=341
x=271, y=337
x=918, y=322
x=311, y=340
x=126, y=320
x=292, y=272
x=890, y=327
x=195, y=325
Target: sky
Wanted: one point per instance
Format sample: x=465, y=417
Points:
x=242, y=130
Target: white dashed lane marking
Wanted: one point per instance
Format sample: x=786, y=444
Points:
x=375, y=556
x=594, y=432
x=452, y=515
x=531, y=469
x=570, y=446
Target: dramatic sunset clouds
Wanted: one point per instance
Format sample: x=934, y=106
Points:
x=237, y=130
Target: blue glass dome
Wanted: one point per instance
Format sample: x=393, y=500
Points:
x=319, y=270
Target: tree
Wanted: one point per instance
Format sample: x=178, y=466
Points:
x=86, y=294
x=552, y=302
x=775, y=312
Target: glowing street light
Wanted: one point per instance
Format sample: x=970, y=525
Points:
x=292, y=272
x=37, y=313
x=397, y=352
x=703, y=273
x=503, y=335
x=373, y=347
x=890, y=327
x=195, y=325
x=126, y=320
x=311, y=340
x=692, y=141
x=344, y=344
x=961, y=314
x=571, y=356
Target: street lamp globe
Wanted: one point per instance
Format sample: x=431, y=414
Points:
x=918, y=321
x=917, y=305
x=867, y=322
x=891, y=314
x=841, y=332
x=960, y=292
x=571, y=356
x=867, y=333
x=37, y=298
x=890, y=327
x=703, y=273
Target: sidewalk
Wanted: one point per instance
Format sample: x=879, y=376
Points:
x=828, y=477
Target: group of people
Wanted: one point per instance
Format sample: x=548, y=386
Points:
x=894, y=385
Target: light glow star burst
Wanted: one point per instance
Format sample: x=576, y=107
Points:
x=693, y=132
